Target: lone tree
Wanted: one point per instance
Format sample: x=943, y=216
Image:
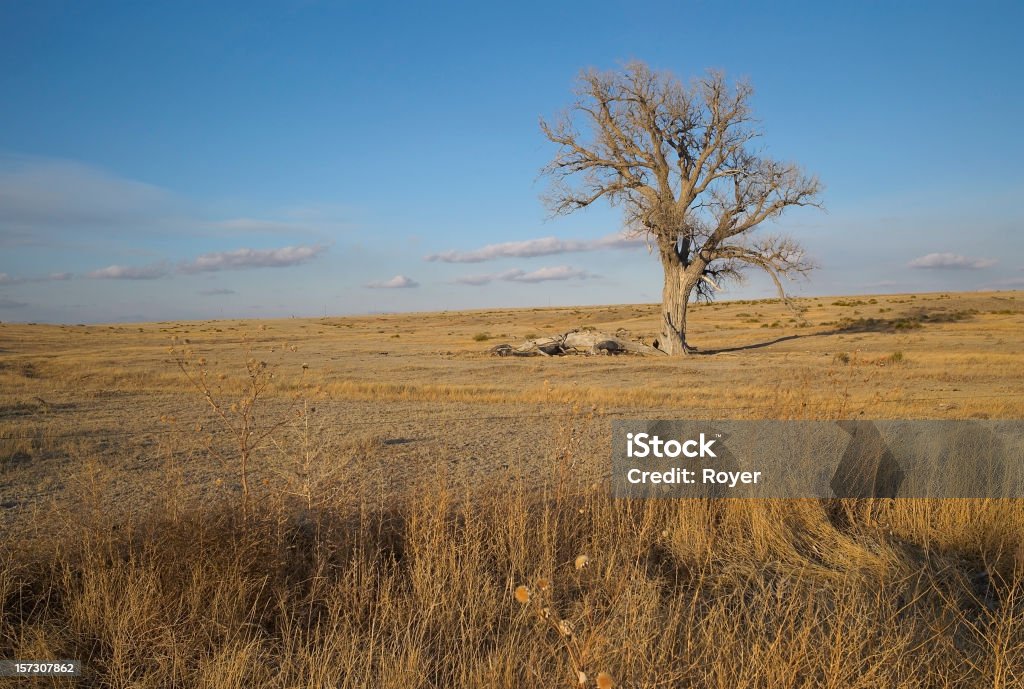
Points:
x=682, y=163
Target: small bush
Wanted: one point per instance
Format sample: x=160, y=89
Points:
x=481, y=337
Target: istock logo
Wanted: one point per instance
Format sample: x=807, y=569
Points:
x=661, y=458
x=646, y=445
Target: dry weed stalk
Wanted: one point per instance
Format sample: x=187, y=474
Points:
x=577, y=644
x=240, y=417
x=311, y=473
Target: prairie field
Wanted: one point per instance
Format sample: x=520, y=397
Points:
x=377, y=501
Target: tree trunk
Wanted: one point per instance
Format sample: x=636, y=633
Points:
x=675, y=295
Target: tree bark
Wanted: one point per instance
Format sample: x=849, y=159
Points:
x=673, y=306
x=675, y=296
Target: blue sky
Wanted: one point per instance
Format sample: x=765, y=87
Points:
x=197, y=160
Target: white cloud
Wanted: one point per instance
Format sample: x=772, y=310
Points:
x=252, y=258
x=518, y=275
x=53, y=201
x=223, y=291
x=485, y=278
x=6, y=279
x=41, y=195
x=397, y=282
x=11, y=304
x=546, y=246
x=239, y=259
x=951, y=261
x=115, y=272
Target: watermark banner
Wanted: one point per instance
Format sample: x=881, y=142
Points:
x=818, y=459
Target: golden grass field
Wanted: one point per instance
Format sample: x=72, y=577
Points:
x=401, y=483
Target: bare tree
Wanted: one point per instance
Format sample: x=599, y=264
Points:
x=682, y=163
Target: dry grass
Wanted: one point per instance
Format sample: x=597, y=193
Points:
x=965, y=338
x=395, y=511
x=675, y=593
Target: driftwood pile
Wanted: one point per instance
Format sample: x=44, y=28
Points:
x=577, y=342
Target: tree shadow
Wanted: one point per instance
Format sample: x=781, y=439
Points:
x=756, y=345
x=400, y=441
x=848, y=326
x=911, y=321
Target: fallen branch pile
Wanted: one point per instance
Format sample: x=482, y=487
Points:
x=576, y=342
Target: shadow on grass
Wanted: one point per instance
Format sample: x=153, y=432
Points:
x=911, y=321
x=847, y=326
x=756, y=345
